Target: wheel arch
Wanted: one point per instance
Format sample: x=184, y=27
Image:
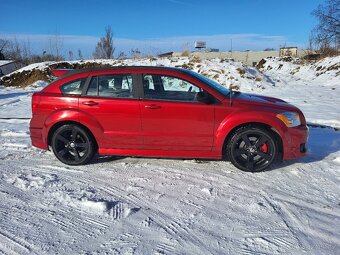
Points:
x=68, y=122
x=261, y=125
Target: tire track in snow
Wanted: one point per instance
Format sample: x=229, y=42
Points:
x=91, y=220
x=170, y=226
x=13, y=192
x=328, y=219
x=82, y=226
x=86, y=225
x=265, y=239
x=167, y=247
x=290, y=222
x=104, y=186
x=300, y=203
x=14, y=244
x=76, y=227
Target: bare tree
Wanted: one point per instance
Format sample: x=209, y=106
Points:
x=327, y=33
x=21, y=51
x=56, y=44
x=26, y=51
x=122, y=55
x=4, y=43
x=135, y=53
x=80, y=55
x=70, y=55
x=15, y=50
x=105, y=47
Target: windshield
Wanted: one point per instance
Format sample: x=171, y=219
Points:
x=223, y=90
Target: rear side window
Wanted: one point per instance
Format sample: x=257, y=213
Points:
x=114, y=86
x=73, y=87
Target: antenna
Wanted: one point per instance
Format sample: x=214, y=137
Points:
x=230, y=91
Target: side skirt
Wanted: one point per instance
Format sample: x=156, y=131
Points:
x=162, y=153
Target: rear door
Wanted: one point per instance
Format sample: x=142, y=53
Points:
x=172, y=118
x=110, y=100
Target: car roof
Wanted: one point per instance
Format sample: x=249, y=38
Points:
x=108, y=68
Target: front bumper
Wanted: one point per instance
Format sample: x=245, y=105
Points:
x=295, y=144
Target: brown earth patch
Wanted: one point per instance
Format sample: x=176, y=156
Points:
x=28, y=77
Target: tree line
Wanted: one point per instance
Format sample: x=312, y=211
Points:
x=21, y=51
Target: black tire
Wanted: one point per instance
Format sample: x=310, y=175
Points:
x=252, y=149
x=73, y=145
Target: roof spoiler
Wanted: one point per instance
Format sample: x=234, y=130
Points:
x=60, y=72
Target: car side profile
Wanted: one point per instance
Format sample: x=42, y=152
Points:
x=162, y=112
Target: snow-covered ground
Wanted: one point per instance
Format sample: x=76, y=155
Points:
x=119, y=205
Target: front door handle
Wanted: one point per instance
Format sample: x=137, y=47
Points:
x=90, y=103
x=152, y=106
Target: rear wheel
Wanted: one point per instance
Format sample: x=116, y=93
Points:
x=252, y=149
x=73, y=145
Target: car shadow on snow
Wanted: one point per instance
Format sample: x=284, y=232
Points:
x=105, y=158
x=11, y=95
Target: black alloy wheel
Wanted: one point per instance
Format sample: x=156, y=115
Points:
x=73, y=145
x=252, y=149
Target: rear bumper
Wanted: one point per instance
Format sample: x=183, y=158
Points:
x=36, y=135
x=295, y=144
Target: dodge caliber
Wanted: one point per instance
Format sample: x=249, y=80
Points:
x=162, y=112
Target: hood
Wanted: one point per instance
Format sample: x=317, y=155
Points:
x=252, y=99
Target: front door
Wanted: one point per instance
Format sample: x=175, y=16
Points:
x=172, y=118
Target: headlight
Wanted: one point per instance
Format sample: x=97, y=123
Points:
x=291, y=119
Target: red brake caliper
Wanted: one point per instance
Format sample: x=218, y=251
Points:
x=264, y=148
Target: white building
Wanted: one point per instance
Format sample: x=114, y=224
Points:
x=289, y=52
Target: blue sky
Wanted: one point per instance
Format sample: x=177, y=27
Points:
x=157, y=26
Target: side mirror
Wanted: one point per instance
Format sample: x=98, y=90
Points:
x=204, y=97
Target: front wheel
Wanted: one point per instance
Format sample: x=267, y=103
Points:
x=73, y=145
x=252, y=149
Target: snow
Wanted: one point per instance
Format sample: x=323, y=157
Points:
x=124, y=205
x=5, y=62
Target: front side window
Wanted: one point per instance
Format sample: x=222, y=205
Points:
x=213, y=84
x=169, y=88
x=114, y=86
x=175, y=84
x=73, y=87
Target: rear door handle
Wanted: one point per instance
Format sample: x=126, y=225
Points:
x=152, y=106
x=90, y=103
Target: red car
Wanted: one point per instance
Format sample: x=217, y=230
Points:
x=162, y=112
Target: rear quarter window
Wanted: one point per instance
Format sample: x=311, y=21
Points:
x=74, y=87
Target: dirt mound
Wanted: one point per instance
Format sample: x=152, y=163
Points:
x=76, y=65
x=260, y=64
x=27, y=77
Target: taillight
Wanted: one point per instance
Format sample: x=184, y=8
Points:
x=35, y=101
